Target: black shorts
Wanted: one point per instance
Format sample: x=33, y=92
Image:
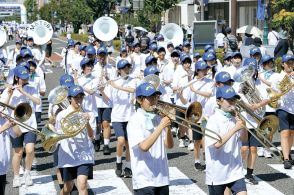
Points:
x=24, y=139
x=120, y=129
x=104, y=114
x=163, y=190
x=38, y=116
x=252, y=141
x=55, y=157
x=236, y=187
x=196, y=135
x=2, y=183
x=181, y=115
x=71, y=173
x=286, y=120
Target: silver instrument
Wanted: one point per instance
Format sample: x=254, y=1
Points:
x=41, y=31
x=172, y=33
x=105, y=28
x=58, y=96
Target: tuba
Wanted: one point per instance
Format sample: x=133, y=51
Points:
x=105, y=28
x=172, y=33
x=152, y=79
x=285, y=86
x=244, y=76
x=3, y=36
x=41, y=31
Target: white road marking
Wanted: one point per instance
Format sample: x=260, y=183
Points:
x=280, y=168
x=43, y=185
x=106, y=182
x=181, y=184
x=262, y=188
x=48, y=71
x=58, y=54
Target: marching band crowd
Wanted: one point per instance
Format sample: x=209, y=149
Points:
x=122, y=94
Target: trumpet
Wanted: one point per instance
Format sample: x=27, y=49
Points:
x=266, y=127
x=192, y=115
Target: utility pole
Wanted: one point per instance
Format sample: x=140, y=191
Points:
x=233, y=18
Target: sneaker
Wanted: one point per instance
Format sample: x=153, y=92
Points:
x=106, y=150
x=174, y=131
x=181, y=144
x=28, y=179
x=128, y=173
x=186, y=142
x=21, y=170
x=16, y=182
x=191, y=146
x=96, y=144
x=118, y=170
x=199, y=167
x=250, y=179
x=267, y=153
x=260, y=151
x=287, y=164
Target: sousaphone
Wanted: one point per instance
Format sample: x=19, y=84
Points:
x=105, y=28
x=172, y=33
x=41, y=31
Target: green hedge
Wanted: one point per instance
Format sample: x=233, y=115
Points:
x=80, y=37
x=219, y=54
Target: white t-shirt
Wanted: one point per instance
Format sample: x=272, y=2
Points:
x=287, y=100
x=204, y=85
x=138, y=65
x=220, y=39
x=76, y=64
x=273, y=38
x=149, y=168
x=123, y=107
x=5, y=148
x=167, y=75
x=17, y=98
x=76, y=150
x=39, y=83
x=180, y=79
x=225, y=161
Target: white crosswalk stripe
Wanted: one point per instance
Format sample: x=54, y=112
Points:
x=262, y=188
x=43, y=185
x=280, y=168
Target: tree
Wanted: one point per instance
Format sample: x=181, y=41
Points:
x=284, y=16
x=99, y=8
x=32, y=9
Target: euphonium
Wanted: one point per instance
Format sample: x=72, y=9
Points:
x=58, y=96
x=285, y=86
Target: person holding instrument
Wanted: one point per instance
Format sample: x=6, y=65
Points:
x=224, y=157
x=148, y=137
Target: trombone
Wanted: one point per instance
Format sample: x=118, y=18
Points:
x=266, y=127
x=192, y=116
x=22, y=112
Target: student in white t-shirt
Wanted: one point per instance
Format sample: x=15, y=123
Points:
x=201, y=91
x=23, y=93
x=223, y=159
x=75, y=154
x=5, y=132
x=149, y=137
x=122, y=94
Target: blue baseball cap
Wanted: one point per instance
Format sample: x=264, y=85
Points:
x=82, y=47
x=234, y=54
x=86, y=61
x=226, y=92
x=70, y=42
x=201, y=65
x=32, y=62
x=228, y=56
x=102, y=50
x=207, y=47
x=266, y=58
x=150, y=70
x=251, y=62
x=208, y=56
x=153, y=46
x=160, y=37
x=185, y=57
x=146, y=90
x=187, y=44
x=75, y=90
x=211, y=50
x=30, y=38
x=22, y=72
x=91, y=50
x=254, y=51
x=122, y=63
x=66, y=80
x=287, y=57
x=26, y=52
x=175, y=53
x=149, y=59
x=18, y=42
x=223, y=77
x=123, y=49
x=196, y=54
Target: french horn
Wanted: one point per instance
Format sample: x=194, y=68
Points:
x=41, y=31
x=105, y=28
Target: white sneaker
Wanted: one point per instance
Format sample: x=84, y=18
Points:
x=186, y=142
x=16, y=182
x=174, y=131
x=191, y=146
x=260, y=151
x=267, y=153
x=28, y=179
x=181, y=144
x=21, y=170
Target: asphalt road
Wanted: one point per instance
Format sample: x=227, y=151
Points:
x=184, y=178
